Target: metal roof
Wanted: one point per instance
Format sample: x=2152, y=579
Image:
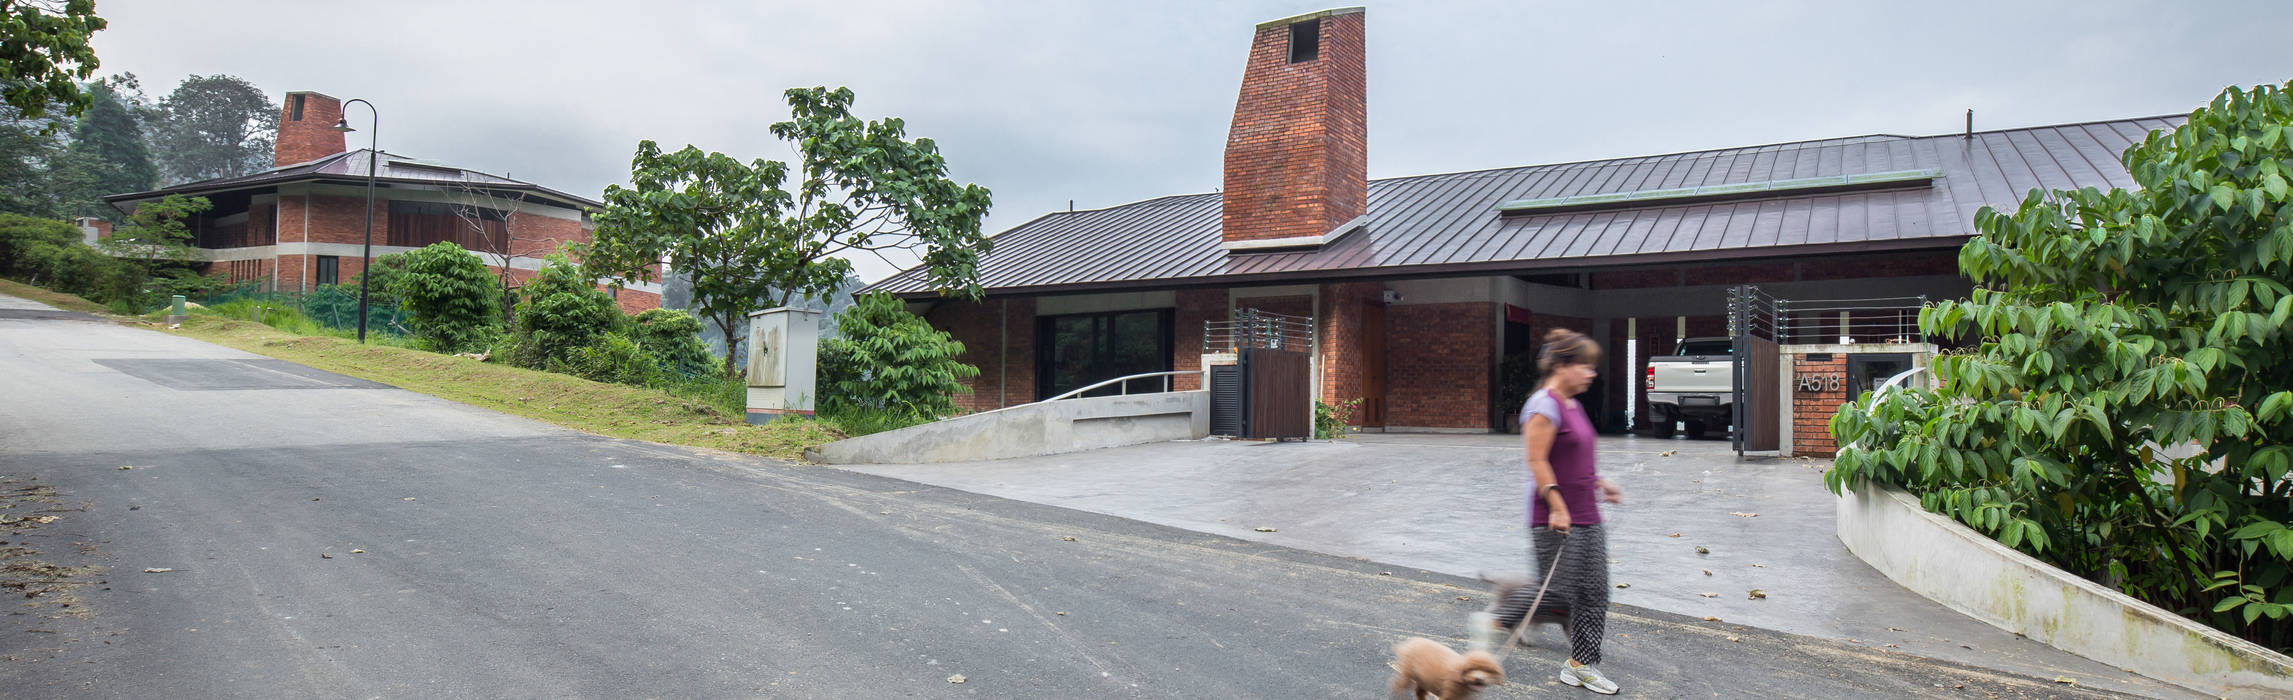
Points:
x=350, y=166
x=1450, y=223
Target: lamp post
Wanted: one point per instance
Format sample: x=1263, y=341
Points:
x=366, y=253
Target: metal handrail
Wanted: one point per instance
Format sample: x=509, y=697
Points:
x=1889, y=385
x=1125, y=381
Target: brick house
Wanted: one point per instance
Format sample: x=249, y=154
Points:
x=1419, y=287
x=301, y=223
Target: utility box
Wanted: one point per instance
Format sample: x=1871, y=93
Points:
x=783, y=359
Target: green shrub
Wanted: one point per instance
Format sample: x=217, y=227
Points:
x=863, y=420
x=886, y=358
x=559, y=311
x=613, y=358
x=2111, y=323
x=450, y=294
x=26, y=243
x=1334, y=421
x=675, y=338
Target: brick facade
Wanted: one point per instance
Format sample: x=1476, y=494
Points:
x=1195, y=307
x=1811, y=411
x=310, y=137
x=1297, y=156
x=1338, y=338
x=1440, y=365
x=1002, y=347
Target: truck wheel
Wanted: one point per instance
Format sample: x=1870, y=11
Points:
x=1663, y=428
x=1695, y=430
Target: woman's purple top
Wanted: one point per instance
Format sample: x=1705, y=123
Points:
x=1571, y=457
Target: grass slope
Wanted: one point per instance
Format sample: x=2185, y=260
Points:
x=59, y=300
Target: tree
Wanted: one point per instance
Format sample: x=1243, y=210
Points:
x=451, y=296
x=559, y=311
x=44, y=53
x=214, y=126
x=157, y=235
x=739, y=231
x=28, y=147
x=674, y=338
x=2126, y=413
x=497, y=233
x=107, y=156
x=886, y=358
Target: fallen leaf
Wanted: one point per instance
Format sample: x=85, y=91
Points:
x=1067, y=539
x=43, y=519
x=1709, y=595
x=1623, y=585
x=1745, y=515
x=957, y=678
x=1760, y=566
x=157, y=570
x=1263, y=529
x=1708, y=618
x=1673, y=535
x=1894, y=629
x=1385, y=573
x=408, y=498
x=1061, y=614
x=124, y=467
x=1758, y=594
x=324, y=555
x=2065, y=680
x=1707, y=572
x=357, y=551
x=1736, y=639
x=1700, y=549
x=1464, y=597
x=1667, y=453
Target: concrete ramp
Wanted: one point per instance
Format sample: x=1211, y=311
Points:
x=1053, y=427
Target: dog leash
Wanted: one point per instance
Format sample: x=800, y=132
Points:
x=1506, y=649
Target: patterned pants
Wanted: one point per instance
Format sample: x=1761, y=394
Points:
x=1580, y=586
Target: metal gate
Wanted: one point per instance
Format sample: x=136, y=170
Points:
x=1757, y=401
x=1269, y=391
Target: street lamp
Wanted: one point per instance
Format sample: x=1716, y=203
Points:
x=366, y=254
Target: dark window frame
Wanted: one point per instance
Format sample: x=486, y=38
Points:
x=328, y=269
x=1046, y=369
x=1306, y=41
x=298, y=115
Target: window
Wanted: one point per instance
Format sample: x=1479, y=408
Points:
x=298, y=115
x=1077, y=350
x=417, y=224
x=327, y=267
x=1305, y=41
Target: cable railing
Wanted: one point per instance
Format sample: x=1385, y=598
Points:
x=1754, y=312
x=1125, y=382
x=1254, y=329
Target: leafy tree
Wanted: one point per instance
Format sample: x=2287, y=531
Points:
x=26, y=243
x=886, y=358
x=450, y=293
x=739, y=231
x=559, y=310
x=28, y=146
x=44, y=53
x=2126, y=413
x=107, y=156
x=156, y=236
x=673, y=337
x=214, y=126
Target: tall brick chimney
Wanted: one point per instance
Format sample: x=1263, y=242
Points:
x=306, y=129
x=1297, y=158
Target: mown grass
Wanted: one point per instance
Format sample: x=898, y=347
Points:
x=59, y=300
x=614, y=410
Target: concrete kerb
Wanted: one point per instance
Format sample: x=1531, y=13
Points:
x=1952, y=564
x=1055, y=427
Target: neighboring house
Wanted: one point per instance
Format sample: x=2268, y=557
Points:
x=302, y=223
x=1419, y=286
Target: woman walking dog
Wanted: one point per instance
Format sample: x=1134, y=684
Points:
x=1567, y=542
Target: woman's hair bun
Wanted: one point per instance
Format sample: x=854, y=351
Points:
x=1558, y=334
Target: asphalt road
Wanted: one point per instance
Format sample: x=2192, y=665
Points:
x=325, y=537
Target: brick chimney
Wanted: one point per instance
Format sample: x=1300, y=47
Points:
x=1297, y=158
x=306, y=129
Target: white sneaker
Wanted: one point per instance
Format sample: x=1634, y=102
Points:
x=1587, y=677
x=1482, y=632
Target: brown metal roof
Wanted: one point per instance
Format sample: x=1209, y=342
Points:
x=350, y=166
x=1449, y=224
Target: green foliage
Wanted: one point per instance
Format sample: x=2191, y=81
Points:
x=450, y=293
x=865, y=420
x=742, y=231
x=559, y=311
x=156, y=237
x=214, y=126
x=27, y=243
x=44, y=53
x=107, y=156
x=2126, y=414
x=674, y=337
x=613, y=358
x=886, y=358
x=1334, y=421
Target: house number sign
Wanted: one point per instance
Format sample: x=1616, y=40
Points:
x=1822, y=381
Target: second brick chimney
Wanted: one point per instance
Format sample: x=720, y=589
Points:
x=1297, y=157
x=306, y=129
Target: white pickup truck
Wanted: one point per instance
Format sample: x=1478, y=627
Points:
x=1696, y=385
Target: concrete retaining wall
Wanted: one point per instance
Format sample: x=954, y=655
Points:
x=1070, y=425
x=1952, y=564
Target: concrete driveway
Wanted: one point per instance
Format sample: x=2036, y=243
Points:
x=1454, y=504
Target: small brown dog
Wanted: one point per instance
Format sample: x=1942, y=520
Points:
x=1430, y=669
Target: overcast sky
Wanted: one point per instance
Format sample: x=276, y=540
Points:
x=1104, y=103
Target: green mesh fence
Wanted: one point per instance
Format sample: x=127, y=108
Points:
x=329, y=305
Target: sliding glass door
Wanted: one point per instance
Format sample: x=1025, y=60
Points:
x=1073, y=351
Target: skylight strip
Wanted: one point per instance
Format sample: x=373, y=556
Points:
x=1618, y=200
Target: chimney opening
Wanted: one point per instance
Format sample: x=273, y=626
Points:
x=298, y=109
x=1305, y=41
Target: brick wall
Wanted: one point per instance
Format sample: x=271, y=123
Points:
x=1881, y=265
x=1339, y=338
x=1440, y=365
x=242, y=270
x=312, y=137
x=1006, y=364
x=1297, y=156
x=1195, y=306
x=1811, y=411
